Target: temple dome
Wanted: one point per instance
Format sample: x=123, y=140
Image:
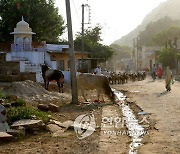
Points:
x=22, y=27
x=22, y=23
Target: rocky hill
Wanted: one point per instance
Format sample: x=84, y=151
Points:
x=170, y=8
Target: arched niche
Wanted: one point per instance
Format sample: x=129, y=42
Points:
x=26, y=40
x=18, y=40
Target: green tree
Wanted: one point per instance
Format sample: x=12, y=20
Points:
x=42, y=16
x=167, y=58
x=92, y=43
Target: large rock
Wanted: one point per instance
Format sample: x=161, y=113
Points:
x=16, y=133
x=56, y=122
x=54, y=128
x=43, y=107
x=53, y=107
x=6, y=105
x=1, y=101
x=28, y=123
x=5, y=137
x=67, y=124
x=61, y=133
x=2, y=108
x=4, y=127
x=3, y=124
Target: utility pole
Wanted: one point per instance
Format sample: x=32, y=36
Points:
x=71, y=54
x=136, y=52
x=134, y=55
x=135, y=45
x=82, y=39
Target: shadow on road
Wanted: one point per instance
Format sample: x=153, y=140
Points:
x=163, y=93
x=151, y=81
x=82, y=107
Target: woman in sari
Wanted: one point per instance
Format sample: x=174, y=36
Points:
x=168, y=78
x=159, y=72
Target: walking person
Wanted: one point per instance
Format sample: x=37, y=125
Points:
x=127, y=69
x=159, y=72
x=97, y=70
x=154, y=71
x=168, y=78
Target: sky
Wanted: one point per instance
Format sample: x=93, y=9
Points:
x=117, y=17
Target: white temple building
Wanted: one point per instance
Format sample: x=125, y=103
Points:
x=31, y=58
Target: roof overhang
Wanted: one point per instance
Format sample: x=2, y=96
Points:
x=30, y=33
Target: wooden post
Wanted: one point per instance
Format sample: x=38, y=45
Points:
x=71, y=54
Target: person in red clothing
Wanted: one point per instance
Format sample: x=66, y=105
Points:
x=159, y=72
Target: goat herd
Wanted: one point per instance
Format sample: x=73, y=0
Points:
x=124, y=77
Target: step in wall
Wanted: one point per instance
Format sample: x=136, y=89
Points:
x=10, y=70
x=9, y=78
x=19, y=77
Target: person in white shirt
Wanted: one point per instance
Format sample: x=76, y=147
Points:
x=97, y=70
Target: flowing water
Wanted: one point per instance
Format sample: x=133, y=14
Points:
x=135, y=130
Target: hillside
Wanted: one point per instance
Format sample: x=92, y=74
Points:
x=170, y=8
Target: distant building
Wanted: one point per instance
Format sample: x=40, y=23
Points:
x=146, y=57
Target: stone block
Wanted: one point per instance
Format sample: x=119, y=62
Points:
x=43, y=107
x=53, y=107
x=5, y=137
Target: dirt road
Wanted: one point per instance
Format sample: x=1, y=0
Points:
x=164, y=110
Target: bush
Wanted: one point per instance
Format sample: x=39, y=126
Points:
x=19, y=110
x=2, y=95
x=19, y=102
x=18, y=113
x=8, y=99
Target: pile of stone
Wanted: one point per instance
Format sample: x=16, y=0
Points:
x=18, y=128
x=28, y=126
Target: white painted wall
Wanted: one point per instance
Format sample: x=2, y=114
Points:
x=32, y=56
x=22, y=66
x=8, y=57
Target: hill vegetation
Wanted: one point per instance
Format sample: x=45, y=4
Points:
x=162, y=17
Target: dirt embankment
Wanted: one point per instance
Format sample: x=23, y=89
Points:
x=34, y=92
